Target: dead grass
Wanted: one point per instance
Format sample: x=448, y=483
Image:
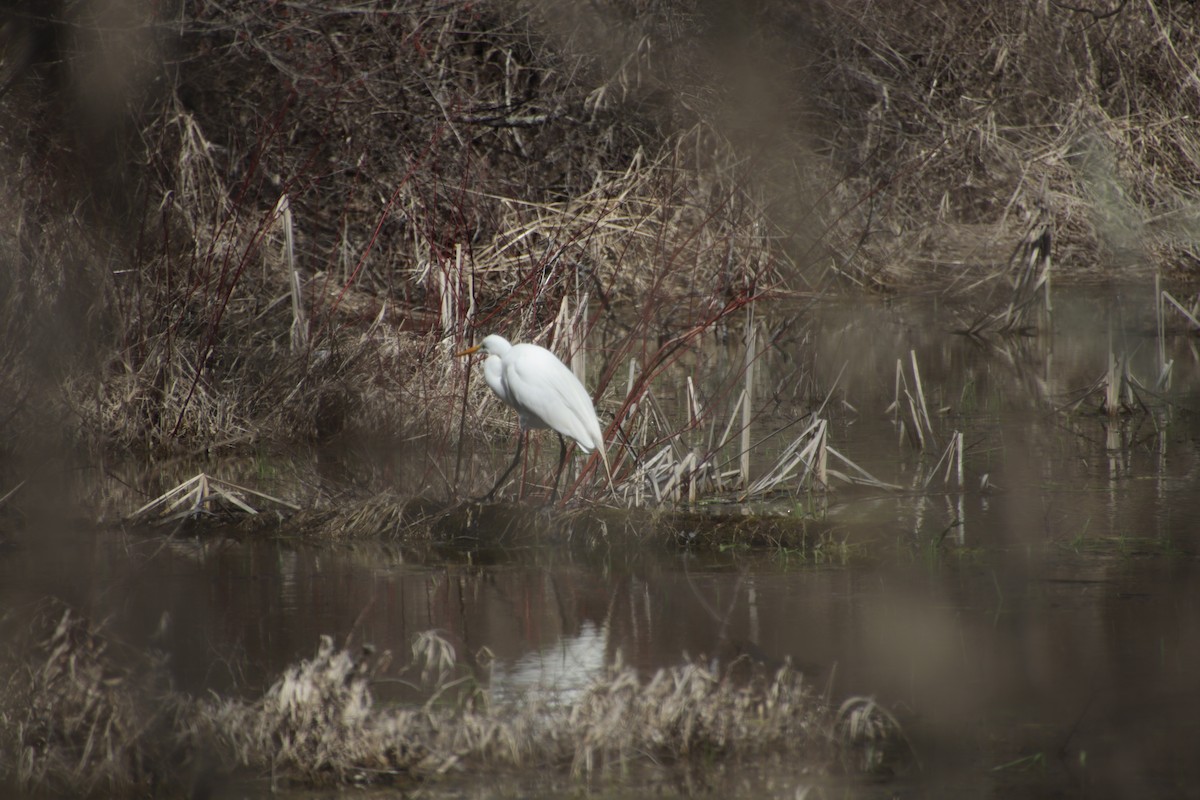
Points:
x=320, y=203
x=964, y=127
x=473, y=527
x=79, y=720
x=74, y=721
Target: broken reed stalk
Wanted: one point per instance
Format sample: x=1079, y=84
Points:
x=920, y=392
x=805, y=460
x=456, y=294
x=663, y=472
x=1162, y=299
x=952, y=456
x=1160, y=324
x=201, y=494
x=734, y=414
x=1112, y=382
x=958, y=441
x=694, y=423
x=5, y=497
x=1032, y=257
x=860, y=477
x=821, y=470
x=748, y=393
x=1190, y=316
x=810, y=450
x=918, y=412
x=299, y=328
x=799, y=452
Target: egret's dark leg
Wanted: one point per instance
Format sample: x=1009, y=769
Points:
x=562, y=459
x=511, y=467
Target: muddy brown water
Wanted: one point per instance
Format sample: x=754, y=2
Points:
x=1036, y=632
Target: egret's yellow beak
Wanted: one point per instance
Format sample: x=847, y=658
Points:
x=468, y=351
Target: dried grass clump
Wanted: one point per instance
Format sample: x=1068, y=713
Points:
x=871, y=739
x=959, y=127
x=314, y=724
x=76, y=722
x=318, y=724
x=693, y=710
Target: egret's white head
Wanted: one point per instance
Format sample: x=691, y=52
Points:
x=492, y=344
x=495, y=345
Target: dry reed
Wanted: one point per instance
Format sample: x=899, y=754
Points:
x=76, y=721
x=316, y=197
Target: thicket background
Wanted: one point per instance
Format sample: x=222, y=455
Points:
x=222, y=222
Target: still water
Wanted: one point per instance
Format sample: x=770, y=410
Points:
x=1036, y=631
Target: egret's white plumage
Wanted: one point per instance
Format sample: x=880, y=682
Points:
x=543, y=391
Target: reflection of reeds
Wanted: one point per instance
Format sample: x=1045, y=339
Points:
x=1029, y=280
x=1163, y=299
x=869, y=734
x=1118, y=391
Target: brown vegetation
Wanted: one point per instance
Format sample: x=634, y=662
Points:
x=237, y=221
x=79, y=720
x=75, y=719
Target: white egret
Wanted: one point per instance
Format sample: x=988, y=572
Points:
x=545, y=394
